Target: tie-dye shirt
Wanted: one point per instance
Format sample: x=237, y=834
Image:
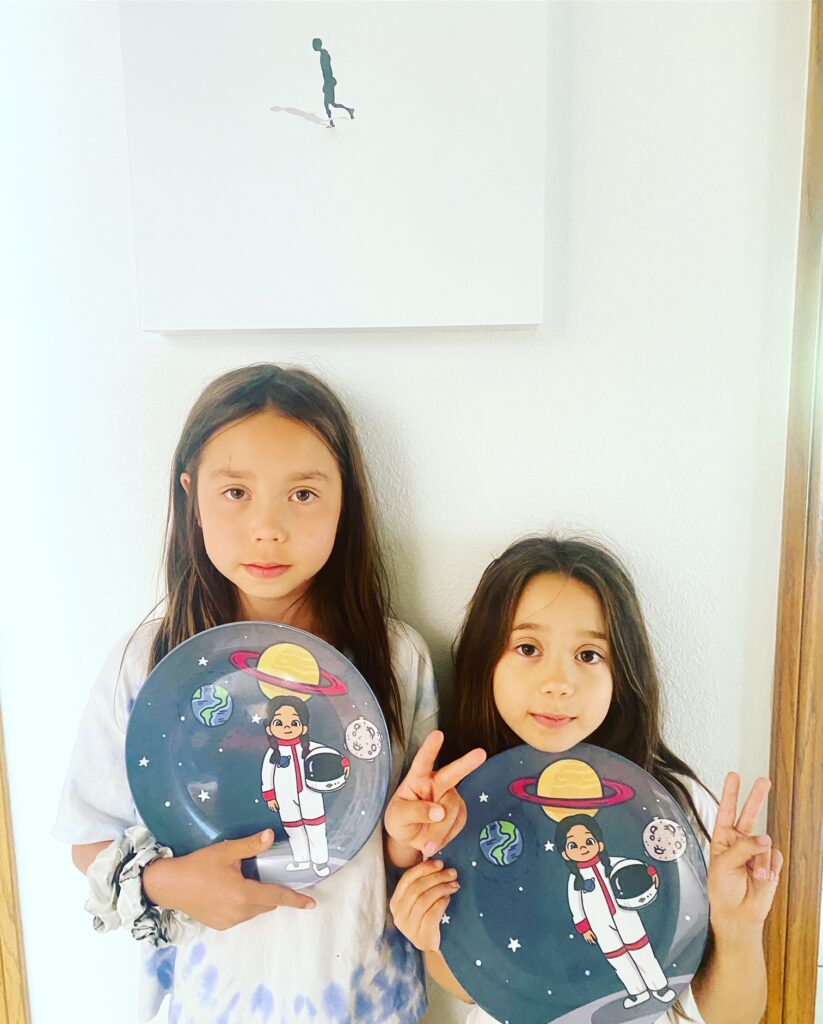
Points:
x=342, y=963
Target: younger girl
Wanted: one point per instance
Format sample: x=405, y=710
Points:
x=554, y=652
x=269, y=519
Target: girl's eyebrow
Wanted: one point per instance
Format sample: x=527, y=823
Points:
x=535, y=626
x=242, y=474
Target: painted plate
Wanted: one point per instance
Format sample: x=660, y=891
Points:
x=255, y=725
x=583, y=890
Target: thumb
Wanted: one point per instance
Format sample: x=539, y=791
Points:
x=744, y=849
x=248, y=846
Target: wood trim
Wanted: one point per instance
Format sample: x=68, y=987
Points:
x=14, y=998
x=797, y=715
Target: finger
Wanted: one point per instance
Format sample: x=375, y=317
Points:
x=423, y=763
x=410, y=877
x=420, y=887
x=727, y=809
x=430, y=930
x=248, y=846
x=451, y=774
x=456, y=825
x=756, y=800
x=770, y=870
x=425, y=901
x=267, y=896
x=415, y=812
x=744, y=848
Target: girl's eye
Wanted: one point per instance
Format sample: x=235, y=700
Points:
x=235, y=493
x=303, y=496
x=589, y=842
x=527, y=650
x=572, y=845
x=277, y=722
x=294, y=723
x=591, y=657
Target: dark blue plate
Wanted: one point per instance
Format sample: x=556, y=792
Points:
x=612, y=931
x=255, y=725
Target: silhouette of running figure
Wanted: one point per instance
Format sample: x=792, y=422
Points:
x=329, y=82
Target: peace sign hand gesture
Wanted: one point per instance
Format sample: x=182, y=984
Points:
x=744, y=870
x=427, y=812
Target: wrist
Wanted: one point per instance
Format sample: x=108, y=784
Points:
x=738, y=939
x=158, y=882
x=401, y=855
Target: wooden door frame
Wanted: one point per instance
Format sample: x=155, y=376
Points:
x=797, y=708
x=14, y=999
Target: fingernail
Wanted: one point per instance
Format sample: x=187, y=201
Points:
x=451, y=873
x=761, y=875
x=429, y=849
x=266, y=837
x=436, y=814
x=437, y=864
x=764, y=840
x=454, y=886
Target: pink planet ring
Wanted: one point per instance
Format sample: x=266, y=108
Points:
x=330, y=686
x=618, y=793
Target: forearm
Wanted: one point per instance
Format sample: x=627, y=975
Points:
x=730, y=988
x=438, y=969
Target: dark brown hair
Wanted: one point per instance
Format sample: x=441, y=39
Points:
x=632, y=726
x=348, y=597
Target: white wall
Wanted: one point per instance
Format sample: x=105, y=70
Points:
x=649, y=409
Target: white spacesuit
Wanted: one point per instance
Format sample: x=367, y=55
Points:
x=301, y=809
x=619, y=933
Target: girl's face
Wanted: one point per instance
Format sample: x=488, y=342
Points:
x=269, y=495
x=581, y=844
x=553, y=683
x=286, y=724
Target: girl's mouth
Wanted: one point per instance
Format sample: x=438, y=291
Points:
x=552, y=721
x=264, y=570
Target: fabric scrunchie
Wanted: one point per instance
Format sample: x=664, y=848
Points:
x=116, y=895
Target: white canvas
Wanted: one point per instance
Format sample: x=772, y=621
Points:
x=250, y=211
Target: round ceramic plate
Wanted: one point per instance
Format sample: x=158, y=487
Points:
x=583, y=890
x=255, y=725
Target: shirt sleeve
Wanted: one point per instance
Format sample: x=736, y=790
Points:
x=96, y=802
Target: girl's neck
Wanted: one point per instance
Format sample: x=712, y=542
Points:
x=290, y=610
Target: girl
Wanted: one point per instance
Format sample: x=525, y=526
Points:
x=553, y=652
x=269, y=519
x=283, y=774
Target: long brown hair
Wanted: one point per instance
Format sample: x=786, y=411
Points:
x=632, y=726
x=349, y=596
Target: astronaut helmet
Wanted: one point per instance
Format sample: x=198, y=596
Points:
x=324, y=769
x=633, y=884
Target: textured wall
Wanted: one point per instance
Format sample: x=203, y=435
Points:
x=649, y=409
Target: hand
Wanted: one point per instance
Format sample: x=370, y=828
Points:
x=744, y=870
x=420, y=900
x=273, y=805
x=209, y=887
x=589, y=936
x=427, y=812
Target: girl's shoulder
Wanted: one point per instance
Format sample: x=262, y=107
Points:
x=125, y=669
x=409, y=651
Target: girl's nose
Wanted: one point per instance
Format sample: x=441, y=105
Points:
x=270, y=525
x=557, y=679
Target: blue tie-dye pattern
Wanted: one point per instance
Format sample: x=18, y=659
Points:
x=311, y=1008
x=335, y=1004
x=225, y=1016
x=129, y=705
x=161, y=965
x=207, y=985
x=298, y=1003
x=262, y=1001
x=198, y=951
x=174, y=1013
x=363, y=1006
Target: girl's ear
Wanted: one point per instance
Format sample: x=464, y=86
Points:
x=564, y=855
x=601, y=847
x=268, y=730
x=305, y=730
x=185, y=483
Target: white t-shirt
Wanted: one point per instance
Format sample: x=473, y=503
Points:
x=707, y=810
x=344, y=961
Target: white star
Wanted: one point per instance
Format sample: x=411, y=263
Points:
x=256, y=719
x=203, y=796
x=484, y=798
x=514, y=945
x=445, y=919
x=143, y=762
x=549, y=847
x=203, y=661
